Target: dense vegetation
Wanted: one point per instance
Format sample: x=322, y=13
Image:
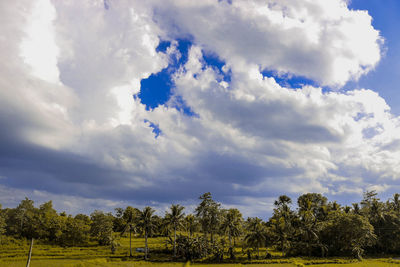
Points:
x=316, y=228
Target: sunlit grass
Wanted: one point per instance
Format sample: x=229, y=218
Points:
x=44, y=255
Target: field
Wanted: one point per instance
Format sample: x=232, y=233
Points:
x=15, y=254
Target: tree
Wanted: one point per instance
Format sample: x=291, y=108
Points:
x=395, y=204
x=208, y=212
x=130, y=217
x=191, y=224
x=147, y=224
x=102, y=226
x=22, y=221
x=192, y=248
x=174, y=218
x=281, y=222
x=2, y=223
x=232, y=225
x=348, y=234
x=50, y=224
x=309, y=226
x=76, y=230
x=314, y=204
x=256, y=234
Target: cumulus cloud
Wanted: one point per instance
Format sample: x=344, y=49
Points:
x=74, y=124
x=322, y=40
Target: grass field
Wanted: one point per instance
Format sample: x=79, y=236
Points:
x=14, y=255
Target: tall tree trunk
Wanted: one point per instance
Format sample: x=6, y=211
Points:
x=258, y=252
x=130, y=241
x=174, y=240
x=30, y=254
x=145, y=246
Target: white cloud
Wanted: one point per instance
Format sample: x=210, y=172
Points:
x=80, y=130
x=38, y=48
x=322, y=40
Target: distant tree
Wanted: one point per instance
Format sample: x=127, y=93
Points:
x=314, y=204
x=256, y=234
x=282, y=223
x=192, y=248
x=146, y=223
x=102, y=226
x=309, y=227
x=356, y=209
x=23, y=220
x=191, y=224
x=118, y=222
x=50, y=224
x=348, y=234
x=175, y=218
x=114, y=244
x=130, y=217
x=395, y=203
x=208, y=213
x=232, y=225
x=76, y=231
x=2, y=223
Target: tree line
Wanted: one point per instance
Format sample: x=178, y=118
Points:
x=316, y=227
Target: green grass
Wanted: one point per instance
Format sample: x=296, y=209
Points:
x=15, y=255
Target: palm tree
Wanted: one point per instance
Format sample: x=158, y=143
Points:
x=256, y=235
x=308, y=226
x=191, y=224
x=282, y=220
x=130, y=217
x=174, y=219
x=356, y=208
x=396, y=202
x=147, y=224
x=232, y=224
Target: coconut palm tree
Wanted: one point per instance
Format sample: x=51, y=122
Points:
x=146, y=223
x=282, y=221
x=174, y=218
x=256, y=235
x=396, y=202
x=130, y=216
x=309, y=226
x=232, y=224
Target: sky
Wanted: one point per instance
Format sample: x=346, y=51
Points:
x=105, y=104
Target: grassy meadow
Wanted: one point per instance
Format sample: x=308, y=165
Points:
x=14, y=254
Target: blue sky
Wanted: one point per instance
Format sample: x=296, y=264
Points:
x=108, y=104
x=386, y=77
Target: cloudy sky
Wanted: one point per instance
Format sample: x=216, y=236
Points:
x=111, y=103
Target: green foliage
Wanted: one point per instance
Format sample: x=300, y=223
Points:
x=23, y=220
x=317, y=228
x=232, y=223
x=2, y=222
x=147, y=224
x=191, y=224
x=209, y=215
x=174, y=219
x=192, y=248
x=282, y=222
x=256, y=234
x=348, y=234
x=76, y=231
x=102, y=226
